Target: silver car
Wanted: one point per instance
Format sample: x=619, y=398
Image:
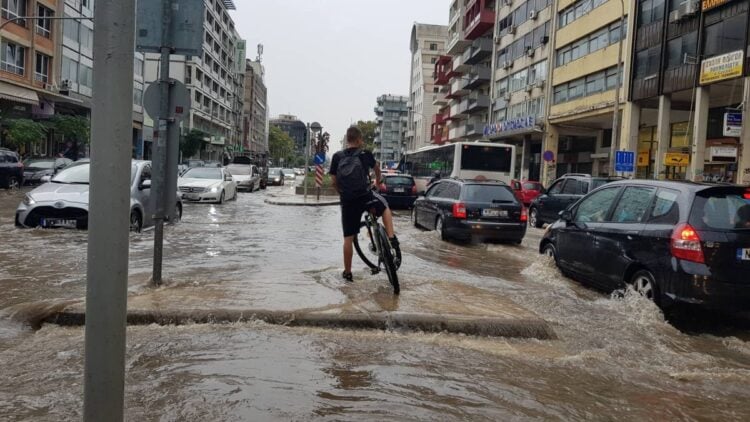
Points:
x=246, y=176
x=63, y=202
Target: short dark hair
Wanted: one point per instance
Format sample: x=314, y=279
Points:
x=353, y=134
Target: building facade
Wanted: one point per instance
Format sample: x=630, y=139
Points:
x=392, y=115
x=255, y=111
x=293, y=127
x=427, y=44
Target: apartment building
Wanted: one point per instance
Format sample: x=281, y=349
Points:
x=255, y=110
x=392, y=115
x=689, y=90
x=427, y=44
x=293, y=127
x=521, y=55
x=214, y=81
x=587, y=38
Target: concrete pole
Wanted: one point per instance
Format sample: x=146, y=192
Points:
x=307, y=161
x=664, y=136
x=618, y=86
x=743, y=161
x=109, y=212
x=700, y=128
x=549, y=169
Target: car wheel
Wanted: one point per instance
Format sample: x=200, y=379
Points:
x=13, y=183
x=518, y=241
x=534, y=220
x=644, y=283
x=414, y=217
x=550, y=251
x=440, y=228
x=221, y=197
x=136, y=221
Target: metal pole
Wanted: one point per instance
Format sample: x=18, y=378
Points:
x=307, y=160
x=160, y=149
x=616, y=115
x=109, y=200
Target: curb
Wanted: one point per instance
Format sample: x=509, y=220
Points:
x=477, y=326
x=301, y=204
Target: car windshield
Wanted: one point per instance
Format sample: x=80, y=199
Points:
x=399, y=180
x=274, y=171
x=488, y=193
x=532, y=186
x=240, y=170
x=726, y=208
x=288, y=171
x=211, y=173
x=76, y=174
x=39, y=164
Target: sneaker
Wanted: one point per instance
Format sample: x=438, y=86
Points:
x=396, y=251
x=347, y=276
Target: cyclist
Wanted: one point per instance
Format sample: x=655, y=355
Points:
x=350, y=169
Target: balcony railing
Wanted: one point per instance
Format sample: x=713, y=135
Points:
x=478, y=19
x=480, y=49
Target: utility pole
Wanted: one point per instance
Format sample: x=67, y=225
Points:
x=109, y=199
x=615, y=144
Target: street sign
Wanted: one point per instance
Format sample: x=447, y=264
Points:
x=548, y=156
x=179, y=100
x=733, y=124
x=625, y=161
x=320, y=158
x=185, y=35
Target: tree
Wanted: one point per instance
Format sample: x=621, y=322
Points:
x=72, y=128
x=191, y=142
x=24, y=131
x=280, y=145
x=368, y=133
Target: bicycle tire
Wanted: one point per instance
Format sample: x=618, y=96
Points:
x=357, y=248
x=390, y=266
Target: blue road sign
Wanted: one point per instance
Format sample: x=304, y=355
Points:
x=625, y=161
x=320, y=158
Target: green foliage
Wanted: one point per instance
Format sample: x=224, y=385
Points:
x=368, y=132
x=23, y=131
x=191, y=142
x=281, y=146
x=72, y=128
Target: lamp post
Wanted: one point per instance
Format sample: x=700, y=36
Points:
x=312, y=129
x=615, y=144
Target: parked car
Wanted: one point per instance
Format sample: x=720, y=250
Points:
x=468, y=209
x=212, y=164
x=36, y=168
x=246, y=176
x=561, y=194
x=275, y=177
x=399, y=190
x=11, y=169
x=207, y=184
x=299, y=171
x=526, y=190
x=672, y=241
x=289, y=174
x=194, y=163
x=64, y=201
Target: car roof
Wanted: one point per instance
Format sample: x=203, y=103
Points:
x=681, y=185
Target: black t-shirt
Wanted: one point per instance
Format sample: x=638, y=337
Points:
x=368, y=160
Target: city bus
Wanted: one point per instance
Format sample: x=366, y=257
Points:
x=463, y=160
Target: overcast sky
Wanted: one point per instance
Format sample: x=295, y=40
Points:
x=329, y=60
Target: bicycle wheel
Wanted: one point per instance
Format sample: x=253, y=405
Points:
x=369, y=255
x=390, y=266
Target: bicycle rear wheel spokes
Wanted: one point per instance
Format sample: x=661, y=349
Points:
x=365, y=247
x=388, y=263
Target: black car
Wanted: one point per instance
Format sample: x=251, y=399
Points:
x=399, y=190
x=11, y=169
x=672, y=241
x=36, y=168
x=471, y=210
x=561, y=194
x=275, y=177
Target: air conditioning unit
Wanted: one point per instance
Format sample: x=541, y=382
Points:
x=689, y=7
x=512, y=29
x=530, y=51
x=65, y=85
x=507, y=64
x=545, y=39
x=539, y=84
x=529, y=88
x=674, y=16
x=532, y=15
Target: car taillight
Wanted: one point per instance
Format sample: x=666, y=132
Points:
x=383, y=188
x=747, y=194
x=414, y=190
x=686, y=244
x=459, y=210
x=524, y=215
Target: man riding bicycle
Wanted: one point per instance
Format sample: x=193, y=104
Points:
x=350, y=171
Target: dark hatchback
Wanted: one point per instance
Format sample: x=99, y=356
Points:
x=562, y=193
x=471, y=210
x=399, y=190
x=11, y=169
x=674, y=242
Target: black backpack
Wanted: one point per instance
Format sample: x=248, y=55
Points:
x=351, y=176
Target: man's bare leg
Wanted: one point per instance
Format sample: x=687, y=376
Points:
x=388, y=222
x=348, y=252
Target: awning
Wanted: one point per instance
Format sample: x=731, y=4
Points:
x=18, y=94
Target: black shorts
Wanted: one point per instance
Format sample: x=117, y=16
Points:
x=351, y=212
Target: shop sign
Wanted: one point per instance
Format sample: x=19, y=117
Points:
x=676, y=159
x=725, y=152
x=712, y=4
x=527, y=122
x=643, y=158
x=719, y=68
x=217, y=140
x=733, y=124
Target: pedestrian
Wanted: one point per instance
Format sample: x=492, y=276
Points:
x=435, y=178
x=350, y=171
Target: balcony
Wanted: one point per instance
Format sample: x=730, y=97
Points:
x=439, y=134
x=480, y=49
x=477, y=103
x=457, y=89
x=439, y=100
x=442, y=116
x=475, y=128
x=459, y=66
x=479, y=18
x=459, y=110
x=456, y=43
x=443, y=69
x=457, y=133
x=479, y=76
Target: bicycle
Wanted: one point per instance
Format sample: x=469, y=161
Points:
x=379, y=247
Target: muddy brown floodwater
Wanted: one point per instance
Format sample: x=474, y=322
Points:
x=615, y=357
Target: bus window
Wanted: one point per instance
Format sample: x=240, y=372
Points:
x=485, y=158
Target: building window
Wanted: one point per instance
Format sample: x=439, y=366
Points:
x=13, y=58
x=681, y=135
x=85, y=76
x=138, y=66
x=69, y=70
x=41, y=73
x=137, y=96
x=70, y=29
x=589, y=85
x=433, y=46
x=647, y=62
x=87, y=38
x=678, y=47
x=518, y=80
x=433, y=60
x=538, y=72
x=44, y=26
x=12, y=9
x=725, y=36
x=501, y=87
x=593, y=42
x=650, y=11
x=576, y=11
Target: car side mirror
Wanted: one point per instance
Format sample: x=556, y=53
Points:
x=566, y=215
x=46, y=179
x=146, y=184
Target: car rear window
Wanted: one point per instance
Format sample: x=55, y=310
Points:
x=726, y=208
x=399, y=180
x=595, y=183
x=532, y=186
x=488, y=193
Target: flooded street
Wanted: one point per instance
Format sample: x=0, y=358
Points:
x=615, y=357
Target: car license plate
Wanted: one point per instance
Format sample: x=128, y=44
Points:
x=399, y=190
x=192, y=196
x=58, y=222
x=494, y=213
x=743, y=254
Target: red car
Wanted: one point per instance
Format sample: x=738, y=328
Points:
x=526, y=190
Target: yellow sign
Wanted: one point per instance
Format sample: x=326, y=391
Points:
x=676, y=159
x=719, y=68
x=643, y=159
x=710, y=4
